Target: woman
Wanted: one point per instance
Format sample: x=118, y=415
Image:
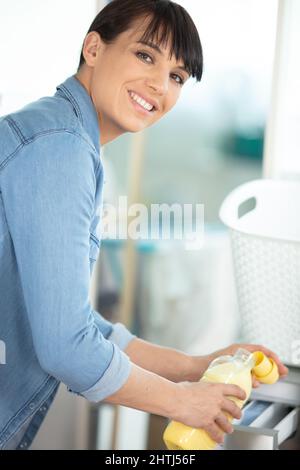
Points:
x=135, y=60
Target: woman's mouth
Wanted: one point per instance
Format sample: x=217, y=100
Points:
x=140, y=103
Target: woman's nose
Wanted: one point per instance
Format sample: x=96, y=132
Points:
x=159, y=83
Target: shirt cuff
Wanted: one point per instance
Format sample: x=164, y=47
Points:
x=115, y=376
x=121, y=336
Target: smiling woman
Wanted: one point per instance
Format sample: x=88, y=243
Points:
x=135, y=59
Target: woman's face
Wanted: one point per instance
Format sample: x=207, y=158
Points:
x=132, y=85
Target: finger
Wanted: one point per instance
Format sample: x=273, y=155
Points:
x=215, y=433
x=282, y=369
x=224, y=424
x=230, y=407
x=255, y=382
x=234, y=391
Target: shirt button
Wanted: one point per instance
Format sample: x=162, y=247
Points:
x=31, y=406
x=43, y=408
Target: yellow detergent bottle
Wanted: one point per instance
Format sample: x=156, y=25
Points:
x=229, y=370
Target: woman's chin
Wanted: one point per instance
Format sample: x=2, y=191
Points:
x=138, y=127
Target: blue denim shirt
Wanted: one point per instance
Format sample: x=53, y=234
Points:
x=51, y=181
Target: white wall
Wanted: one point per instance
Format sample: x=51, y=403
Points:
x=238, y=38
x=282, y=156
x=40, y=44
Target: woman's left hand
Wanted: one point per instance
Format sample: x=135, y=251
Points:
x=282, y=369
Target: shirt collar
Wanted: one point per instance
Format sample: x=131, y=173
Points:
x=83, y=106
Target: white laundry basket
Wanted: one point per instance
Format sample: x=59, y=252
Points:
x=264, y=221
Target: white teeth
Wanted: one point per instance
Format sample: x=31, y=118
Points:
x=141, y=102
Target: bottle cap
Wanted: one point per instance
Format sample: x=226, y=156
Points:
x=265, y=369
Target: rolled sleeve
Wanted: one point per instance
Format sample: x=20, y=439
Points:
x=121, y=336
x=115, y=376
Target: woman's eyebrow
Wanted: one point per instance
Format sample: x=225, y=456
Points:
x=152, y=45
x=182, y=67
x=157, y=49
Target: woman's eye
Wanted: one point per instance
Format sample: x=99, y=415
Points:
x=149, y=60
x=145, y=57
x=177, y=79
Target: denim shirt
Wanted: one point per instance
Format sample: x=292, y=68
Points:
x=51, y=181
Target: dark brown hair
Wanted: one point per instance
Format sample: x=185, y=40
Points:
x=168, y=21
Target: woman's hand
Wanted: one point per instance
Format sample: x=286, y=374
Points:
x=199, y=364
x=282, y=369
x=207, y=406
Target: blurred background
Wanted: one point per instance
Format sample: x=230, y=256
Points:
x=212, y=141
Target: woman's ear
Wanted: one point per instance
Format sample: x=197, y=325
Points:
x=91, y=48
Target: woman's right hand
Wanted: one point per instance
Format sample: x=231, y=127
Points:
x=205, y=405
